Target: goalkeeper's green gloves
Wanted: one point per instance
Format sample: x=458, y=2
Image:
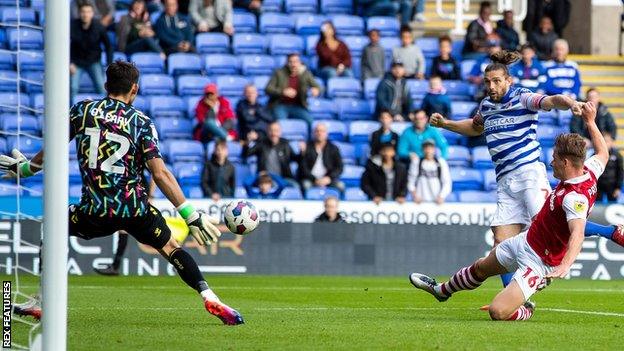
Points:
x=16, y=165
x=201, y=226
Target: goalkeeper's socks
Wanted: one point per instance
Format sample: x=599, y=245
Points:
x=506, y=278
x=594, y=229
x=187, y=269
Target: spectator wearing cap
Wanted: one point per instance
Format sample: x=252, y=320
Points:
x=215, y=118
x=251, y=115
x=218, y=177
x=174, y=30
x=334, y=57
x=331, y=213
x=444, y=65
x=265, y=186
x=393, y=93
x=505, y=30
x=479, y=33
x=383, y=135
x=543, y=38
x=528, y=72
x=429, y=177
x=373, y=57
x=436, y=100
x=410, y=142
x=321, y=163
x=384, y=178
x=410, y=55
x=212, y=16
x=288, y=90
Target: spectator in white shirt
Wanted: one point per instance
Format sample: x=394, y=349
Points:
x=429, y=178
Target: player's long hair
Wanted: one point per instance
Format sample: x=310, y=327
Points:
x=501, y=60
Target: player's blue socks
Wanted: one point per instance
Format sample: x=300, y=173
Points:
x=594, y=229
x=506, y=278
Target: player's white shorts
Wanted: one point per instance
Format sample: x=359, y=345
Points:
x=517, y=256
x=521, y=194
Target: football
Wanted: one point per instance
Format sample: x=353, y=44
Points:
x=241, y=217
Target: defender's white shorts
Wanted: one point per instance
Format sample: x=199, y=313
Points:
x=517, y=256
x=521, y=195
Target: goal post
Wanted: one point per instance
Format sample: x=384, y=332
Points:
x=55, y=200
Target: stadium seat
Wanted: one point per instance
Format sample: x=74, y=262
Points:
x=429, y=46
x=337, y=131
x=458, y=156
x=10, y=122
x=188, y=173
x=261, y=82
x=387, y=26
x=7, y=189
x=389, y=43
x=193, y=192
x=231, y=86
x=156, y=84
x=73, y=154
x=32, y=82
x=290, y=193
x=240, y=192
x=321, y=108
x=356, y=44
x=273, y=23
x=157, y=194
x=456, y=49
x=340, y=87
x=7, y=60
x=81, y=97
x=400, y=127
x=29, y=39
x=284, y=44
x=546, y=135
x=257, y=65
x=351, y=175
x=244, y=22
x=459, y=90
x=8, y=81
x=547, y=156
x=310, y=43
x=36, y=189
x=148, y=62
x=353, y=109
x=548, y=117
x=191, y=104
x=462, y=109
x=347, y=152
x=74, y=172
x=355, y=194
x=191, y=84
x=249, y=43
x=3, y=146
x=417, y=88
x=309, y=24
x=360, y=131
x=37, y=103
x=10, y=101
x=213, y=43
x=31, y=61
x=565, y=117
x=141, y=103
x=272, y=5
x=294, y=129
x=181, y=63
x=370, y=88
x=221, y=64
x=317, y=193
x=167, y=106
x=466, y=68
x=466, y=179
x=185, y=151
x=27, y=145
x=174, y=128
x=9, y=15
x=241, y=172
x=331, y=7
x=348, y=25
x=235, y=151
x=551, y=179
x=453, y=138
x=481, y=158
x=472, y=196
x=489, y=180
x=301, y=6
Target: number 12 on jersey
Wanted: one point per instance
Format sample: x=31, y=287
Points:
x=108, y=165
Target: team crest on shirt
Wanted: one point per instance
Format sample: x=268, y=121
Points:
x=579, y=206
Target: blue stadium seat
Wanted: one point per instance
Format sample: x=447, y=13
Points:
x=261, y=82
x=489, y=180
x=31, y=61
x=355, y=194
x=244, y=22
x=272, y=23
x=10, y=122
x=73, y=154
x=456, y=49
x=231, y=86
x=309, y=24
x=417, y=88
x=181, y=63
x=191, y=84
x=284, y=44
x=74, y=172
x=188, y=173
x=141, y=103
x=458, y=156
x=116, y=56
x=213, y=43
x=9, y=15
x=36, y=189
x=387, y=26
x=546, y=135
x=217, y=64
x=337, y=131
x=193, y=192
x=27, y=145
x=472, y=196
x=301, y=6
x=10, y=101
x=340, y=87
x=370, y=88
x=3, y=146
x=32, y=82
x=316, y=193
x=37, y=103
x=347, y=152
x=235, y=151
x=174, y=128
x=459, y=90
x=241, y=172
x=353, y=109
x=86, y=84
x=331, y=7
x=8, y=81
x=565, y=117
x=547, y=156
x=7, y=61
x=356, y=66
x=29, y=39
x=548, y=117
x=453, y=138
x=356, y=44
x=321, y=108
x=148, y=62
x=191, y=104
x=7, y=189
x=551, y=179
x=481, y=158
x=272, y=5
x=249, y=43
x=351, y=175
x=462, y=109
x=429, y=46
x=290, y=193
x=257, y=65
x=466, y=68
x=157, y=194
x=81, y=97
x=348, y=25
x=466, y=179
x=156, y=84
x=167, y=106
x=294, y=129
x=310, y=43
x=389, y=43
x=185, y=151
x=400, y=127
x=360, y=131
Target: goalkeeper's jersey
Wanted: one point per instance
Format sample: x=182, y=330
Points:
x=113, y=141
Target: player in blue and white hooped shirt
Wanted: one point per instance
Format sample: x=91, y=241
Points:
x=562, y=75
x=508, y=118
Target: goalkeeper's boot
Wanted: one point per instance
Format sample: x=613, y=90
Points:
x=618, y=235
x=31, y=308
x=226, y=314
x=109, y=270
x=427, y=284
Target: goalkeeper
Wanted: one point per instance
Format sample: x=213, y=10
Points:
x=115, y=142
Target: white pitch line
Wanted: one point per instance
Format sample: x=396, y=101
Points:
x=598, y=313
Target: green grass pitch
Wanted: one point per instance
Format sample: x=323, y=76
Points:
x=332, y=313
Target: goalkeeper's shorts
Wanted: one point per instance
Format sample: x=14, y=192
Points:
x=149, y=229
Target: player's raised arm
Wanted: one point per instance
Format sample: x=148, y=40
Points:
x=468, y=127
x=537, y=102
x=601, y=151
